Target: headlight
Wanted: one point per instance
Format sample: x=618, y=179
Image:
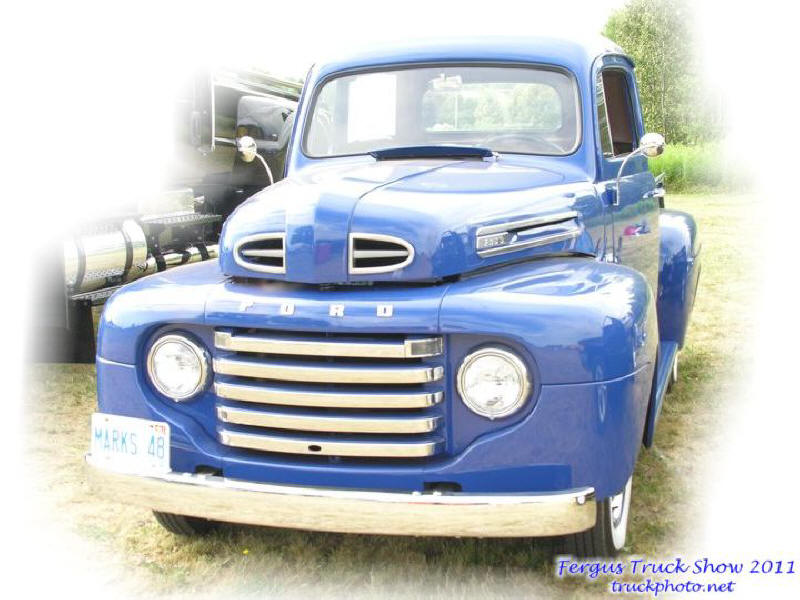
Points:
x=493, y=382
x=177, y=367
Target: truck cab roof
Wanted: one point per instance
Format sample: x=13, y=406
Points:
x=575, y=55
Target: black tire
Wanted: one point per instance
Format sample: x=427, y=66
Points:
x=182, y=525
x=600, y=541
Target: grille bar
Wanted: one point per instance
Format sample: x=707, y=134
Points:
x=262, y=394
x=354, y=424
x=308, y=393
x=409, y=348
x=327, y=447
x=322, y=373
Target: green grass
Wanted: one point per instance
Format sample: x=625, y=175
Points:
x=702, y=168
x=263, y=562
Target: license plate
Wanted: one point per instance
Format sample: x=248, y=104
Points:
x=130, y=445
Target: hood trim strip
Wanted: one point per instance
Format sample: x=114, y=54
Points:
x=550, y=219
x=494, y=240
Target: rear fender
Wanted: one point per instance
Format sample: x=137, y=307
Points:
x=679, y=272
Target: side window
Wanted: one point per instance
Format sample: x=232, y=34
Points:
x=614, y=113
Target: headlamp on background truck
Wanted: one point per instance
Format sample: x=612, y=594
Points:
x=177, y=367
x=493, y=382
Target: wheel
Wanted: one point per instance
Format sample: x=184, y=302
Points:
x=673, y=376
x=607, y=537
x=182, y=525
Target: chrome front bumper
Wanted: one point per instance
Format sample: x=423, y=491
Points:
x=352, y=511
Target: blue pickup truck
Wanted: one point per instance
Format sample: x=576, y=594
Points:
x=456, y=315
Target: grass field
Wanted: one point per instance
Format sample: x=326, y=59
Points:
x=701, y=169
x=264, y=562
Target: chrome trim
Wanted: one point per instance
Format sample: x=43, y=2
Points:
x=108, y=254
x=263, y=253
x=353, y=270
x=379, y=253
x=326, y=446
x=539, y=241
x=198, y=350
x=291, y=397
x=257, y=238
x=321, y=373
x=516, y=363
x=351, y=510
x=423, y=347
x=525, y=223
x=344, y=424
x=410, y=348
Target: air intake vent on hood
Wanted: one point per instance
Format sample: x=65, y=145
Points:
x=373, y=253
x=263, y=252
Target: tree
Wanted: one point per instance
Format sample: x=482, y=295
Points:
x=657, y=34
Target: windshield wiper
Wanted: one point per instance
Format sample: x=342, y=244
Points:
x=431, y=152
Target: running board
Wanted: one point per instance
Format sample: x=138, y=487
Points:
x=667, y=354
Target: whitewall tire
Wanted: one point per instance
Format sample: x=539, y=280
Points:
x=608, y=536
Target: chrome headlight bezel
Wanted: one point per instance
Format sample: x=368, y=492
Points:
x=517, y=364
x=200, y=353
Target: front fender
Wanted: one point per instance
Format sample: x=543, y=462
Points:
x=586, y=326
x=581, y=320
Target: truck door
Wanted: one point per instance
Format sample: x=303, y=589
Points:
x=633, y=207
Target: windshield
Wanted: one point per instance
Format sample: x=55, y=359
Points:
x=524, y=110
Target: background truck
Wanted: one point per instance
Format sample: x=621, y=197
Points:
x=180, y=225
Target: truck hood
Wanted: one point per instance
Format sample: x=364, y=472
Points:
x=450, y=216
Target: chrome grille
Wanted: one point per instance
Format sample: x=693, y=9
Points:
x=264, y=252
x=373, y=253
x=332, y=395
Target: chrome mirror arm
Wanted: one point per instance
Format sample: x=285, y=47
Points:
x=618, y=183
x=651, y=145
x=266, y=168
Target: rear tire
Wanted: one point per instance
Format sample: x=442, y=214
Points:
x=608, y=535
x=183, y=525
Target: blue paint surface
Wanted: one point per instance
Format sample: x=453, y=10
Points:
x=586, y=316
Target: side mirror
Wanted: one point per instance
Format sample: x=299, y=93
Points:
x=652, y=144
x=246, y=146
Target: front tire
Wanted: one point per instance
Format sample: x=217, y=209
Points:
x=608, y=535
x=183, y=525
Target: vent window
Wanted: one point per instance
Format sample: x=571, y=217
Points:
x=264, y=253
x=372, y=253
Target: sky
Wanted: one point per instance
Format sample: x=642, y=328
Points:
x=370, y=23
